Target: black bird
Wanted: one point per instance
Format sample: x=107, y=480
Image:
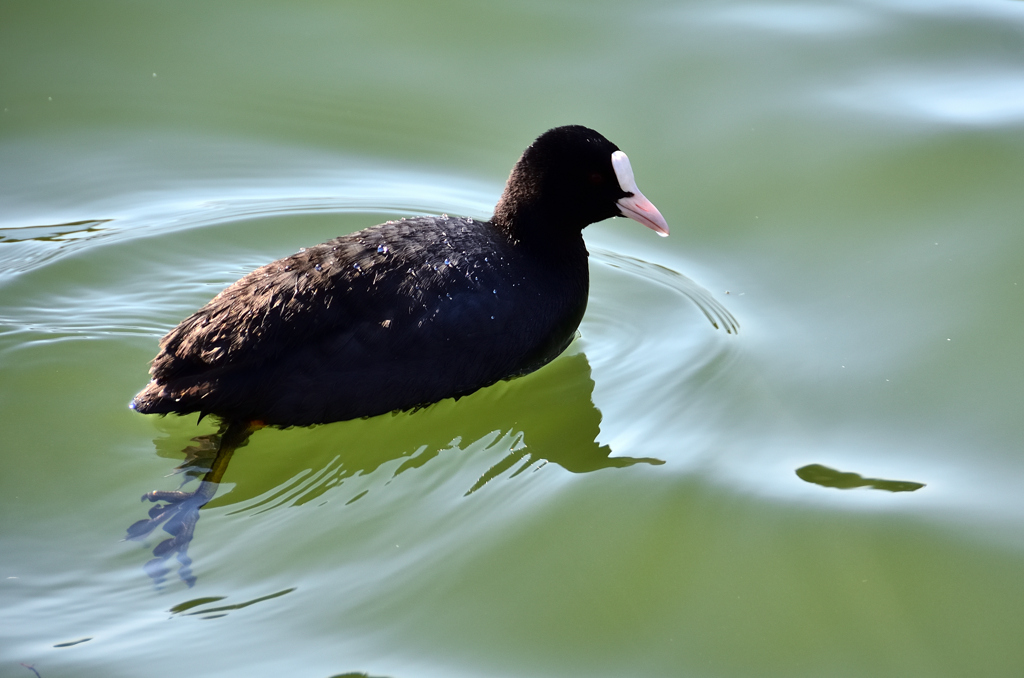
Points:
x=409, y=312
x=390, y=318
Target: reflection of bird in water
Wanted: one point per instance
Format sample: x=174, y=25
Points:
x=569, y=390
x=396, y=316
x=514, y=423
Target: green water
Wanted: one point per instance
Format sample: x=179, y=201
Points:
x=666, y=499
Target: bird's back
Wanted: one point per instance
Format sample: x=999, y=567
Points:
x=399, y=315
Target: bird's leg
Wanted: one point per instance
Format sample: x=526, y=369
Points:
x=179, y=511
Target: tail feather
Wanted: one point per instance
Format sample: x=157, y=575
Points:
x=159, y=398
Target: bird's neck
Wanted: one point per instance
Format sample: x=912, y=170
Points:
x=537, y=226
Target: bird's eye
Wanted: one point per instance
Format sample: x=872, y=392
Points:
x=596, y=178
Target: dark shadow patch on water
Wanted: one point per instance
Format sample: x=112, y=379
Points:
x=829, y=477
x=73, y=642
x=188, y=607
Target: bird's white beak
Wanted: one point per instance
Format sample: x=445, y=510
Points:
x=636, y=206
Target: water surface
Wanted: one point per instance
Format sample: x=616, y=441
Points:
x=831, y=490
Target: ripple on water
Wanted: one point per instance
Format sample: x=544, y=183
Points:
x=715, y=312
x=950, y=94
x=652, y=357
x=59, y=201
x=803, y=19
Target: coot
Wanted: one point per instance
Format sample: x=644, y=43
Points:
x=409, y=312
